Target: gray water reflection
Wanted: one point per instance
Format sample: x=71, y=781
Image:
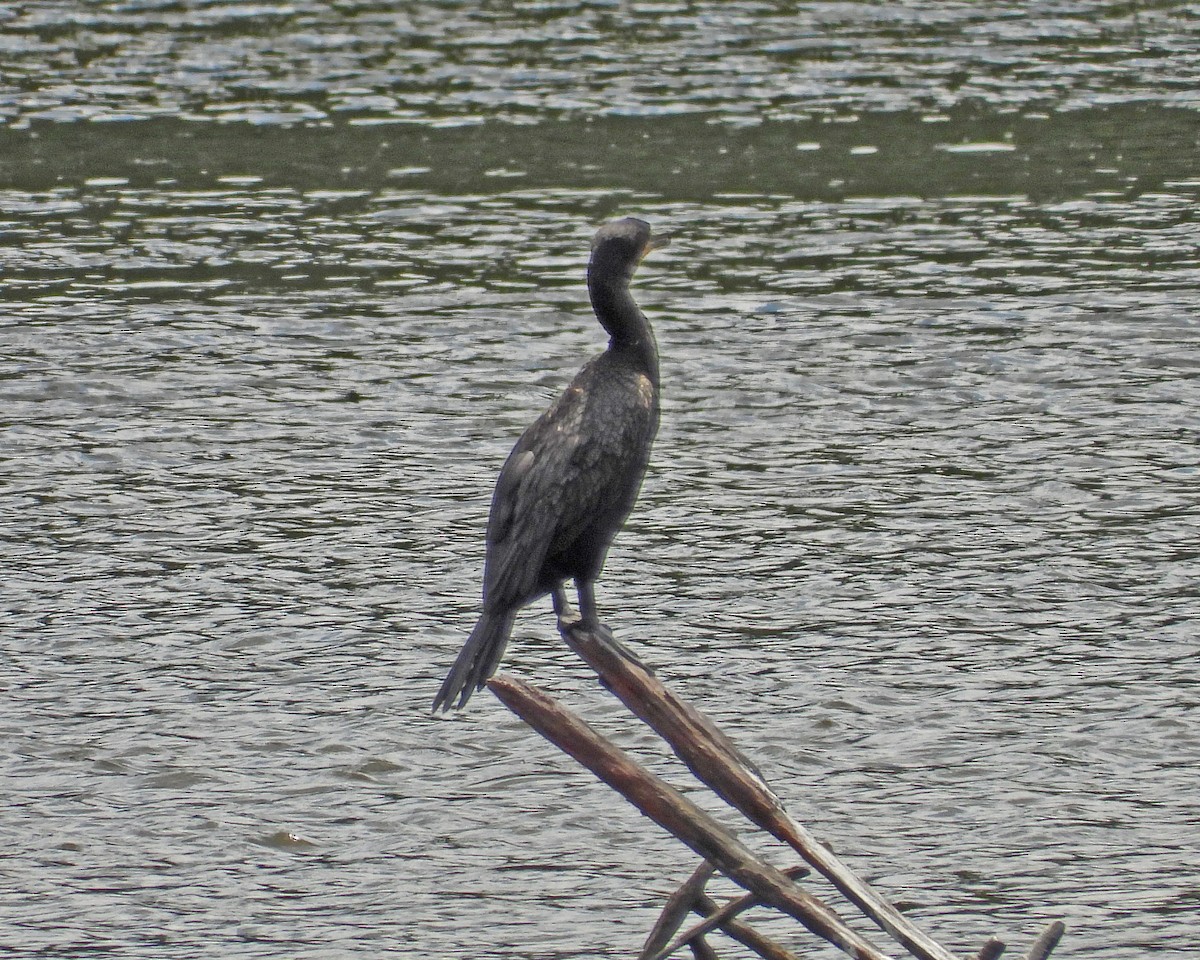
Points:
x=920, y=530
x=368, y=62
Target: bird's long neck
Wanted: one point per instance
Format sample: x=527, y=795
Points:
x=628, y=329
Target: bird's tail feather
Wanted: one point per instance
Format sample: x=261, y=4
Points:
x=478, y=660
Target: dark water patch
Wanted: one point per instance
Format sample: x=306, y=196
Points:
x=1106, y=152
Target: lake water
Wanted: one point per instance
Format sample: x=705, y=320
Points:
x=283, y=282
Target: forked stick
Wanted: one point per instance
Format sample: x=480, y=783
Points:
x=723, y=917
x=713, y=759
x=667, y=807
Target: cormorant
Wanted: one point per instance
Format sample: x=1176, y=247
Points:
x=574, y=474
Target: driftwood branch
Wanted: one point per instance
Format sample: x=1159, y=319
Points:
x=667, y=807
x=716, y=762
x=716, y=916
x=676, y=910
x=991, y=950
x=1046, y=942
x=745, y=934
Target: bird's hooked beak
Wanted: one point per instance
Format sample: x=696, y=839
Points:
x=656, y=242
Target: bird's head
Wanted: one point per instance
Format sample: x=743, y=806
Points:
x=619, y=247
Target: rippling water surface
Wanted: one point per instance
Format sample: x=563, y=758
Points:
x=282, y=283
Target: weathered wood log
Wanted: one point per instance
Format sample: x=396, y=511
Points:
x=667, y=807
x=716, y=762
x=1047, y=941
x=716, y=916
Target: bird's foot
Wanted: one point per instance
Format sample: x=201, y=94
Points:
x=602, y=630
x=569, y=619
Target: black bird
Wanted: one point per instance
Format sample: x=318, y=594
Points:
x=574, y=475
